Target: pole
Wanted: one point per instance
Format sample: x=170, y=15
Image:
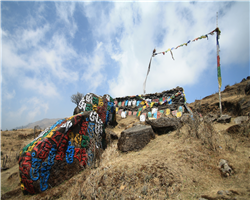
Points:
x=218, y=65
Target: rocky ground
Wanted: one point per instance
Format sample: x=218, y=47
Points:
x=201, y=159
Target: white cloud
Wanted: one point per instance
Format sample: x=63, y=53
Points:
x=130, y=32
x=43, y=87
x=9, y=95
x=65, y=12
x=28, y=111
x=94, y=74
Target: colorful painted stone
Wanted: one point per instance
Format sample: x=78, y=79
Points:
x=167, y=111
x=178, y=114
x=174, y=112
x=142, y=118
x=154, y=110
x=45, y=161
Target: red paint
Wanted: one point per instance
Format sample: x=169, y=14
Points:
x=82, y=157
x=25, y=163
x=83, y=128
x=28, y=184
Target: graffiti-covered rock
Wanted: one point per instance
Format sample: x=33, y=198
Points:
x=65, y=148
x=135, y=138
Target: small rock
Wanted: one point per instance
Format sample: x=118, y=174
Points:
x=240, y=119
x=144, y=190
x=210, y=118
x=225, y=169
x=220, y=192
x=224, y=119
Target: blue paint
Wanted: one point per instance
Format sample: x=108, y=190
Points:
x=57, y=123
x=126, y=102
x=52, y=155
x=155, y=115
x=107, y=117
x=91, y=129
x=70, y=153
x=34, y=170
x=137, y=103
x=44, y=176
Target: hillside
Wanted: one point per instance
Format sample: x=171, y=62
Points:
x=183, y=164
x=44, y=123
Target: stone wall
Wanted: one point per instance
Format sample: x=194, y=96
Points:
x=166, y=103
x=65, y=148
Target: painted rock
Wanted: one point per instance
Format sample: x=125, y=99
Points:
x=65, y=148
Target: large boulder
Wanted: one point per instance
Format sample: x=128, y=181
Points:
x=164, y=124
x=135, y=138
x=65, y=148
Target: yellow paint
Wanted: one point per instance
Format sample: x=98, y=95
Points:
x=100, y=103
x=78, y=139
x=31, y=147
x=51, y=133
x=22, y=187
x=95, y=107
x=152, y=103
x=116, y=109
x=168, y=111
x=144, y=107
x=178, y=114
x=142, y=103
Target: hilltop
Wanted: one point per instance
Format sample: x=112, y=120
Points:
x=44, y=123
x=183, y=164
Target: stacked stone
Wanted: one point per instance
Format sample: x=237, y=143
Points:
x=65, y=148
x=152, y=105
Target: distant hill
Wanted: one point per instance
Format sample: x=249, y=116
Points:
x=44, y=123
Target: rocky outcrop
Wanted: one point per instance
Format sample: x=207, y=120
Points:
x=135, y=138
x=247, y=88
x=65, y=148
x=164, y=124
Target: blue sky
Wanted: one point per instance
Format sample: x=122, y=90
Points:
x=51, y=50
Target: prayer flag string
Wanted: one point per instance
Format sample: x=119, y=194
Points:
x=217, y=30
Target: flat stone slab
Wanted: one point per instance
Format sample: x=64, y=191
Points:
x=135, y=138
x=224, y=119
